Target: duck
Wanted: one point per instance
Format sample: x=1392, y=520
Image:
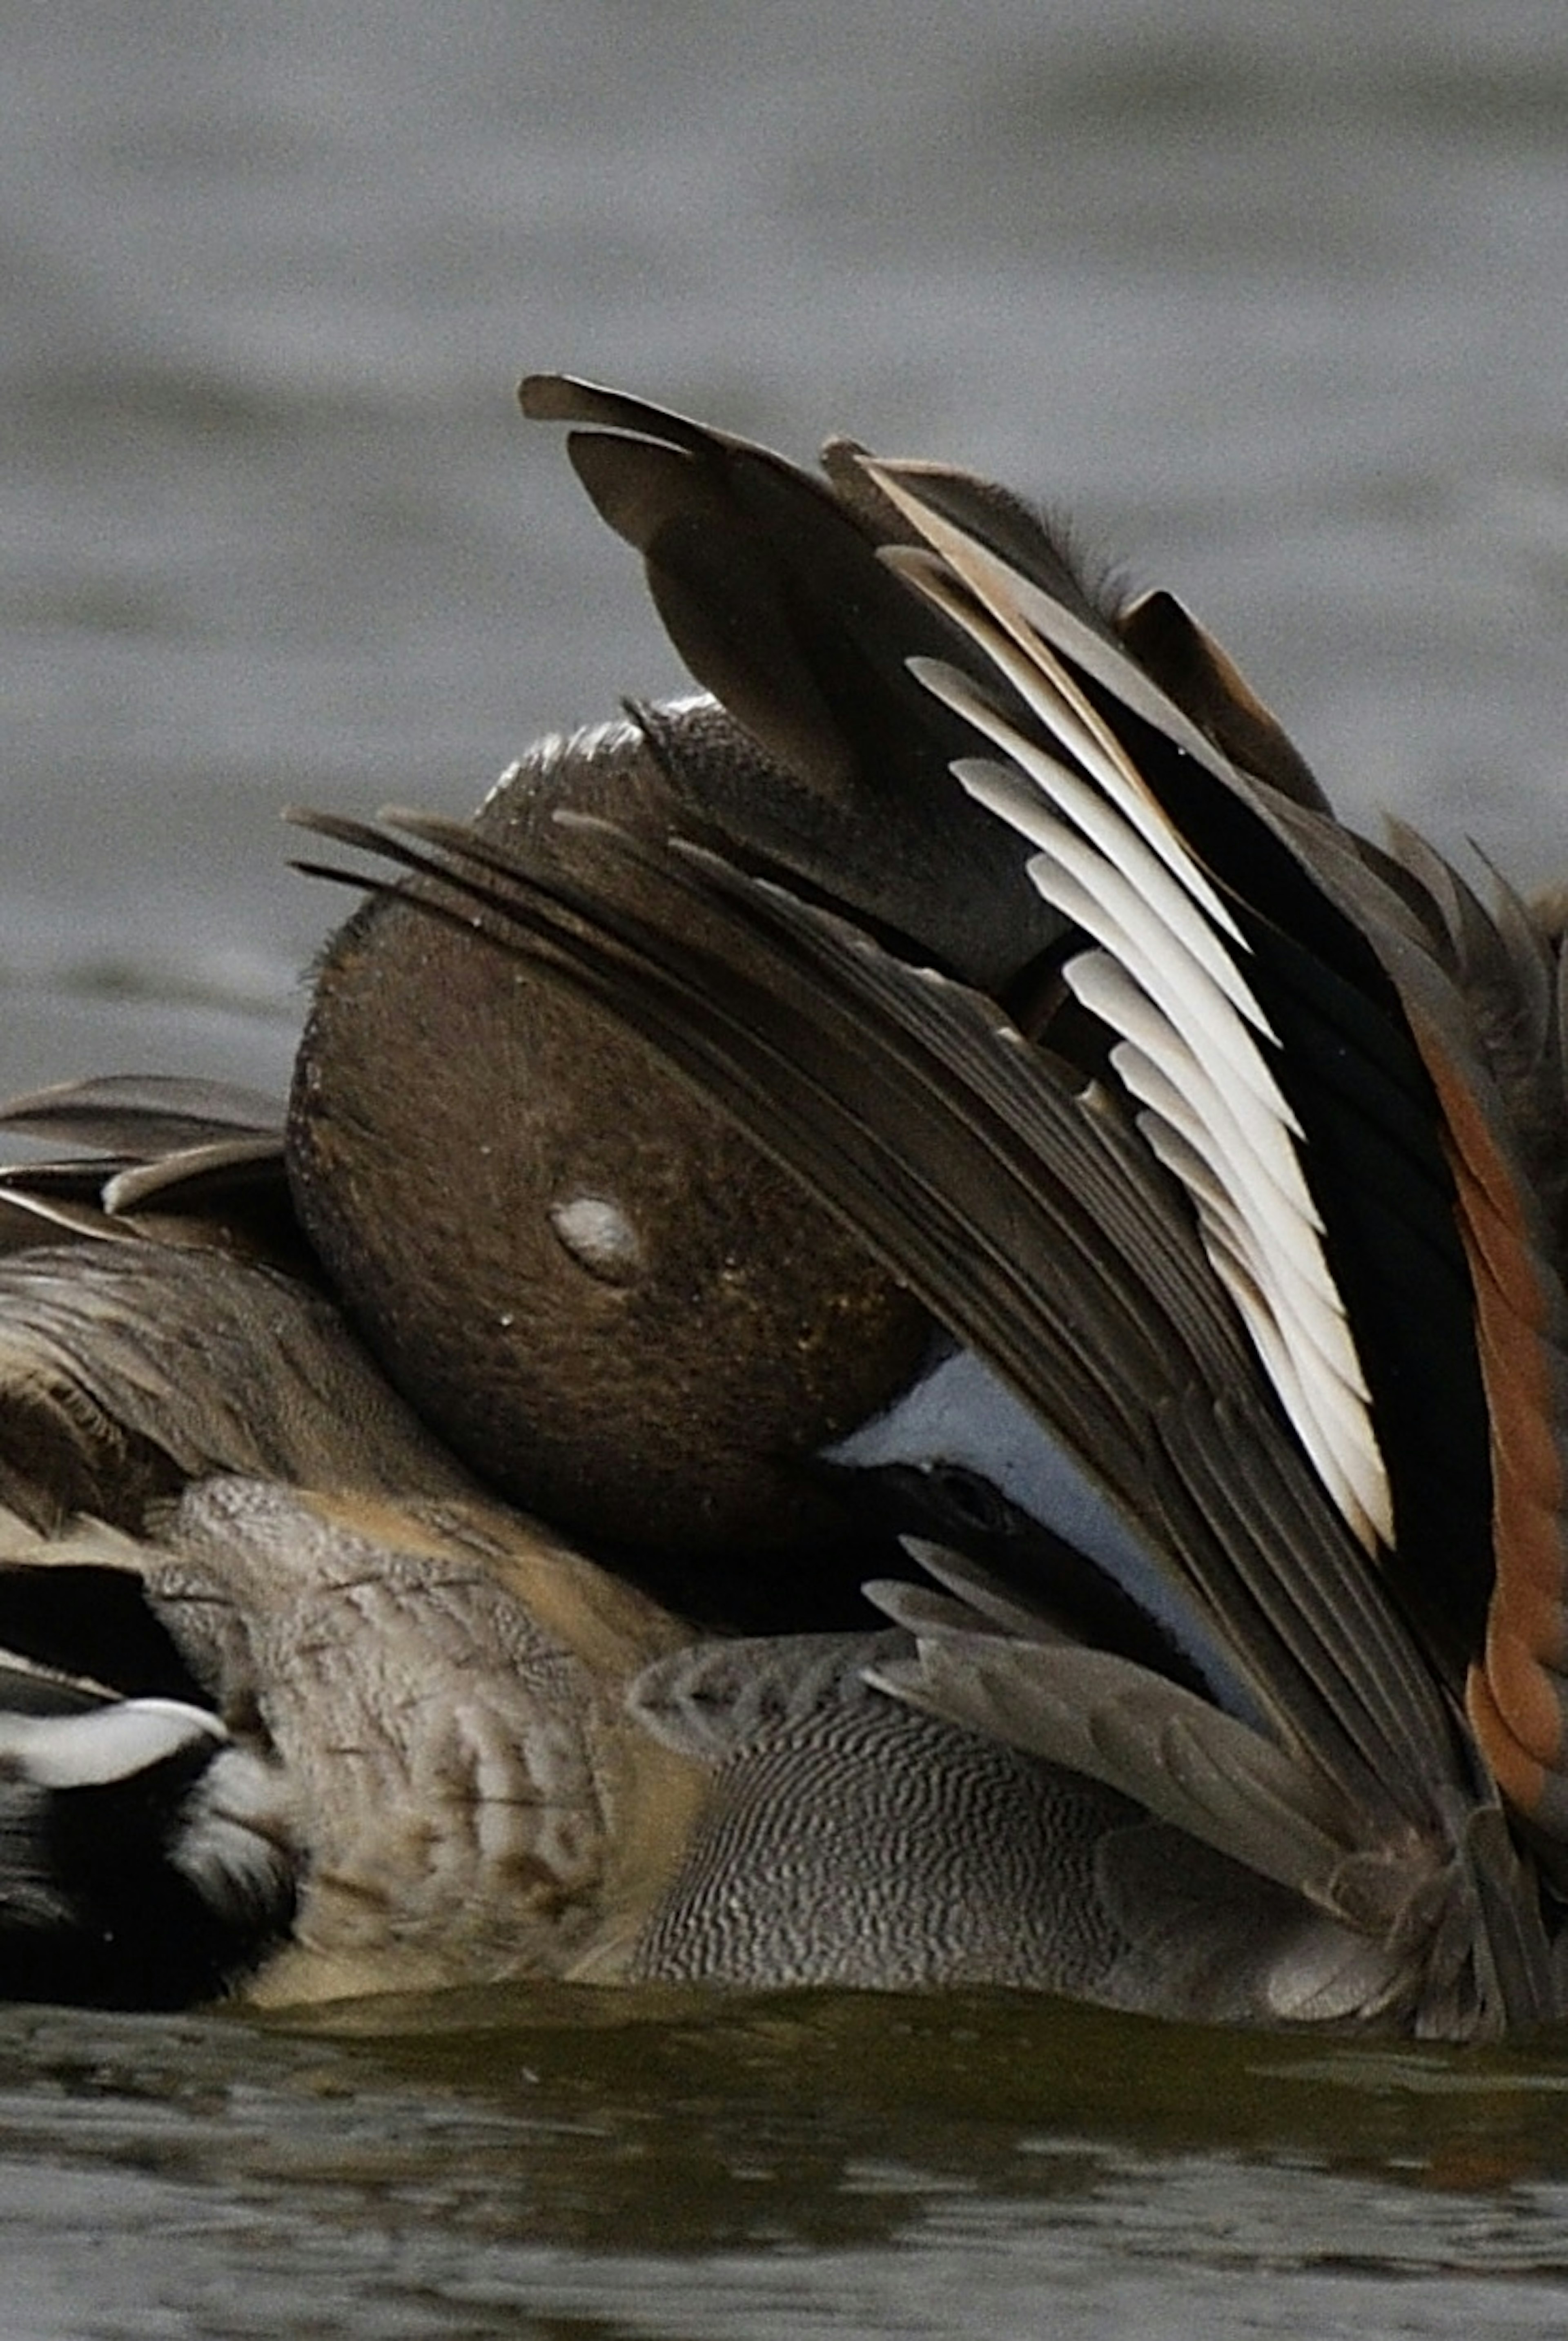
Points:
x=905, y=1327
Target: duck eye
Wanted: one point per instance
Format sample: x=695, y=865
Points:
x=599, y=1236
x=970, y=1501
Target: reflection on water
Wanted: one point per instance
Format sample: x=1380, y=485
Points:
x=668, y=2165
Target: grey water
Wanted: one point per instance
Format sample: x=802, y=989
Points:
x=1274, y=303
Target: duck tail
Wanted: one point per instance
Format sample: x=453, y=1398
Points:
x=142, y=1861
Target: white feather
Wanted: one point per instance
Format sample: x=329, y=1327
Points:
x=1249, y=1152
x=1027, y=612
x=106, y=1744
x=957, y=691
x=1077, y=879
x=1000, y=788
x=1167, y=977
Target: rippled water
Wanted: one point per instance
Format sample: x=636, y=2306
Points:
x=1276, y=303
x=770, y=2171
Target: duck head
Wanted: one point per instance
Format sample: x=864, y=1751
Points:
x=611, y=1304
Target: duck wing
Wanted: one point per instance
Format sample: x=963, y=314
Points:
x=205, y=1159
x=980, y=1172
x=1010, y=1193
x=1312, y=1013
x=770, y=585
x=1268, y=1262
x=1440, y=1235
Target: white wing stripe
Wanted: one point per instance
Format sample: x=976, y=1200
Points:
x=1194, y=1120
x=1003, y=791
x=1167, y=979
x=1121, y=781
x=1188, y=1052
x=1293, y=1299
x=1117, y=914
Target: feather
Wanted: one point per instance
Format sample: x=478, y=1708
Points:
x=1028, y=1216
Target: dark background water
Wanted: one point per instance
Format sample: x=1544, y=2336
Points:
x=1276, y=303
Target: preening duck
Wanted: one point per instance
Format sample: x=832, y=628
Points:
x=907, y=1326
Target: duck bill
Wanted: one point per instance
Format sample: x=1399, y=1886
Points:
x=957, y=1460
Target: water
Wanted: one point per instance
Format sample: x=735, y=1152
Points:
x=778, y=2170
x=1278, y=304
